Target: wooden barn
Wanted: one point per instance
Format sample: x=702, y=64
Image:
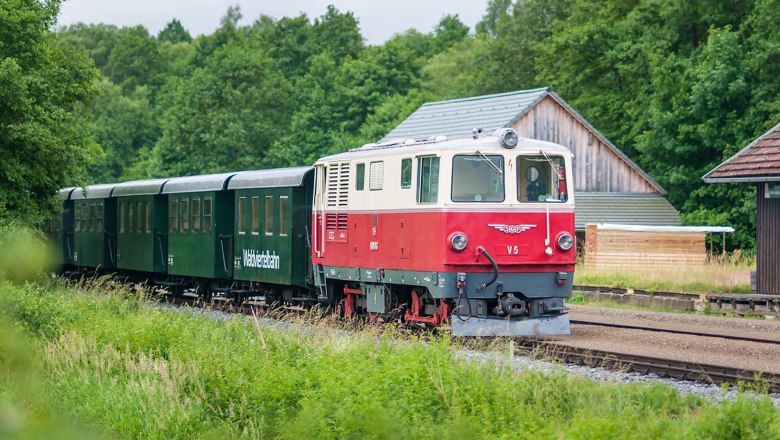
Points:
x=610, y=187
x=759, y=164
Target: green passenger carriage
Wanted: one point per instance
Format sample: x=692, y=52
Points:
x=94, y=236
x=200, y=223
x=142, y=239
x=59, y=231
x=271, y=234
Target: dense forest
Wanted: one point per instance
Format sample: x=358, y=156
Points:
x=678, y=85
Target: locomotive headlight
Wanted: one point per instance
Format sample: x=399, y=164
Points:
x=507, y=137
x=458, y=241
x=565, y=241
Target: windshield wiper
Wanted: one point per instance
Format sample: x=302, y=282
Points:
x=490, y=162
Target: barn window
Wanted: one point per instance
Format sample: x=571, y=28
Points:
x=241, y=215
x=269, y=215
x=360, y=177
x=541, y=178
x=255, y=215
x=207, y=215
x=406, y=173
x=184, y=225
x=283, y=228
x=195, y=215
x=478, y=178
x=427, y=179
x=173, y=215
x=376, y=176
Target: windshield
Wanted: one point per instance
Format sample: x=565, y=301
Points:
x=541, y=178
x=477, y=178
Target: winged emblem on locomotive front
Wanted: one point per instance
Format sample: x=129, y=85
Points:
x=511, y=229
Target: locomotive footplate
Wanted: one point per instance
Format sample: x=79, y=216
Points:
x=498, y=326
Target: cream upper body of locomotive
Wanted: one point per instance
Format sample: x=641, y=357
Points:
x=393, y=173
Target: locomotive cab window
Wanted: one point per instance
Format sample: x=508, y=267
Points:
x=376, y=178
x=427, y=179
x=478, y=178
x=541, y=178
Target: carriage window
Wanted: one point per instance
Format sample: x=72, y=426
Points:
x=148, y=217
x=122, y=216
x=173, y=223
x=92, y=217
x=85, y=217
x=195, y=215
x=207, y=215
x=241, y=213
x=360, y=177
x=99, y=221
x=139, y=212
x=427, y=179
x=283, y=228
x=269, y=217
x=255, y=215
x=541, y=178
x=478, y=178
x=130, y=216
x=376, y=176
x=183, y=221
x=406, y=173
x=78, y=219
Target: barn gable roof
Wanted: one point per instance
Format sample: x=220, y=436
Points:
x=459, y=117
x=758, y=162
x=624, y=208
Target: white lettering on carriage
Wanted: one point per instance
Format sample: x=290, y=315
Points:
x=260, y=259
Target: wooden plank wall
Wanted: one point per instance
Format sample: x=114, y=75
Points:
x=616, y=250
x=596, y=167
x=767, y=243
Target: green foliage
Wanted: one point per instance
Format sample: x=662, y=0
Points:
x=44, y=139
x=133, y=370
x=174, y=32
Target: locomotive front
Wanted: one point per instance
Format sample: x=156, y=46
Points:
x=509, y=230
x=476, y=232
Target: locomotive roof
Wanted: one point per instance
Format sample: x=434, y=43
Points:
x=208, y=182
x=429, y=146
x=99, y=191
x=139, y=187
x=278, y=177
x=64, y=193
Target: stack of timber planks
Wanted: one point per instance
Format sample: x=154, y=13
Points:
x=610, y=249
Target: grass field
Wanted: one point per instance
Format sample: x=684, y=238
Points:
x=78, y=363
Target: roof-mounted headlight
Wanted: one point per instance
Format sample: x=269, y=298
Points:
x=507, y=137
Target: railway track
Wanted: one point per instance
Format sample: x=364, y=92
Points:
x=681, y=370
x=658, y=366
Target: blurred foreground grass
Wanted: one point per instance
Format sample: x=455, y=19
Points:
x=108, y=362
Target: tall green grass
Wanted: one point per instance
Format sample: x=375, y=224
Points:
x=722, y=274
x=104, y=361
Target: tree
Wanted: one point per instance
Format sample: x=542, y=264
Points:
x=135, y=60
x=174, y=32
x=43, y=91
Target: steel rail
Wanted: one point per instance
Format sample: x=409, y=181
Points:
x=675, y=331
